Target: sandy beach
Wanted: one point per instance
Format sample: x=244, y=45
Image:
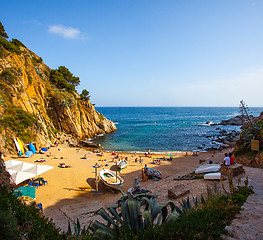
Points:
x=70, y=193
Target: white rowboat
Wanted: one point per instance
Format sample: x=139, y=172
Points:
x=110, y=179
x=207, y=168
x=212, y=176
x=122, y=164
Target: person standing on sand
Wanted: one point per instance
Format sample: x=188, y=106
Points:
x=149, y=152
x=226, y=160
x=145, y=169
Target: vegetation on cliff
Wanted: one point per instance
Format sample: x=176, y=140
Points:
x=253, y=130
x=38, y=103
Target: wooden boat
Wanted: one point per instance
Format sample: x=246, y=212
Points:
x=212, y=176
x=207, y=168
x=110, y=179
x=122, y=164
x=154, y=173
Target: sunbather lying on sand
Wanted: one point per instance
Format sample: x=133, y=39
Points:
x=40, y=161
x=63, y=165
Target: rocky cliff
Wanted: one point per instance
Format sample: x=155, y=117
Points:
x=34, y=108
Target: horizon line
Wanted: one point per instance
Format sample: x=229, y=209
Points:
x=185, y=106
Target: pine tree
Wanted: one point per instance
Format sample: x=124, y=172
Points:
x=2, y=31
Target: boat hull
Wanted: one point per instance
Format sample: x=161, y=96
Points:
x=108, y=177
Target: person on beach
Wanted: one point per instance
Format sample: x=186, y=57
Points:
x=145, y=173
x=145, y=169
x=226, y=160
x=136, y=185
x=232, y=159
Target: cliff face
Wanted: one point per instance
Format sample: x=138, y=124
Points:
x=32, y=108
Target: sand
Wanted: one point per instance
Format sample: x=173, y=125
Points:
x=70, y=192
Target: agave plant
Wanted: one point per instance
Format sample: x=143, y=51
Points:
x=135, y=212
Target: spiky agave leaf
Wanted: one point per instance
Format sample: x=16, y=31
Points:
x=162, y=216
x=172, y=217
x=195, y=199
x=147, y=219
x=171, y=204
x=179, y=210
x=124, y=210
x=77, y=228
x=102, y=234
x=95, y=226
x=115, y=214
x=106, y=216
x=69, y=229
x=147, y=202
x=134, y=214
x=202, y=199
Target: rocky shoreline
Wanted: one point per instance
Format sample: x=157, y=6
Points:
x=224, y=138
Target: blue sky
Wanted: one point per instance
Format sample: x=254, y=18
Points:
x=149, y=52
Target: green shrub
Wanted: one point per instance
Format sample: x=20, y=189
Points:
x=18, y=221
x=36, y=60
x=9, y=46
x=20, y=122
x=17, y=43
x=8, y=76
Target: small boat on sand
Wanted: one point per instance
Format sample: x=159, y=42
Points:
x=110, y=179
x=154, y=173
x=212, y=176
x=207, y=168
x=122, y=164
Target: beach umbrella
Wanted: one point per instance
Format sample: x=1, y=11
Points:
x=22, y=166
x=29, y=153
x=11, y=163
x=39, y=169
x=18, y=177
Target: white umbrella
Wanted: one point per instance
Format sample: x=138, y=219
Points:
x=19, y=177
x=22, y=167
x=39, y=169
x=11, y=163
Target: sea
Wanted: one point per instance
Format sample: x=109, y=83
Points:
x=166, y=129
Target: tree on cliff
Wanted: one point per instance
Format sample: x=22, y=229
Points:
x=58, y=79
x=2, y=31
x=85, y=95
x=69, y=76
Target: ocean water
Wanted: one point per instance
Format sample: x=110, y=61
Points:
x=165, y=129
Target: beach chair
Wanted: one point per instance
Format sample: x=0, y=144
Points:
x=44, y=182
x=40, y=206
x=30, y=183
x=36, y=184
